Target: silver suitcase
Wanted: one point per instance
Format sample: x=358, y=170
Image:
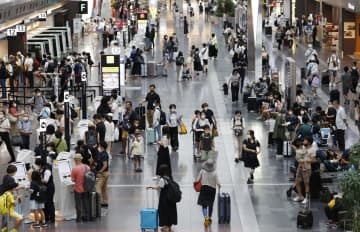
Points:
x=151, y=69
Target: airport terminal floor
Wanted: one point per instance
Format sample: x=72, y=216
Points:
x=261, y=206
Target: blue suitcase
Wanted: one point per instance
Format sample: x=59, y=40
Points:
x=148, y=217
x=224, y=208
x=150, y=135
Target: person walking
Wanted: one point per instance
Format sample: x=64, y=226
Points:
x=234, y=83
x=238, y=126
x=251, y=149
x=341, y=125
x=163, y=154
x=204, y=53
x=186, y=26
x=151, y=98
x=167, y=209
x=173, y=121
x=102, y=173
x=213, y=46
x=3, y=76
x=333, y=63
x=179, y=62
x=82, y=198
x=209, y=181
x=346, y=80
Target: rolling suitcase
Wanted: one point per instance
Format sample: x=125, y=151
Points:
x=325, y=78
x=252, y=104
x=95, y=205
x=151, y=72
x=305, y=217
x=140, y=111
x=224, y=208
x=315, y=184
x=287, y=148
x=150, y=135
x=149, y=216
x=160, y=70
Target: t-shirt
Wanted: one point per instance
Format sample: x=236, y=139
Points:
x=340, y=117
x=35, y=187
x=151, y=98
x=5, y=123
x=101, y=130
x=7, y=181
x=136, y=148
x=77, y=175
x=209, y=115
x=100, y=159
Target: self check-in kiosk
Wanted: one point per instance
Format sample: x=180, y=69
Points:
x=64, y=195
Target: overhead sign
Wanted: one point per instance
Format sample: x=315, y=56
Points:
x=11, y=32
x=42, y=16
x=110, y=69
x=43, y=125
x=21, y=28
x=83, y=7
x=83, y=76
x=142, y=16
x=66, y=96
x=77, y=25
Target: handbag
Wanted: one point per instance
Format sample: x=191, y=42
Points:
x=215, y=132
x=182, y=129
x=197, y=185
x=16, y=141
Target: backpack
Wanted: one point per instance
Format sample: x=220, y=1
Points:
x=91, y=139
x=173, y=191
x=4, y=203
x=179, y=60
x=162, y=118
x=50, y=67
x=41, y=195
x=89, y=180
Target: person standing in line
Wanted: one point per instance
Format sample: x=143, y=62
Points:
x=251, y=149
x=204, y=53
x=29, y=67
x=102, y=173
x=5, y=134
x=333, y=63
x=3, y=76
x=25, y=130
x=167, y=210
x=82, y=198
x=341, y=125
x=100, y=127
x=173, y=121
x=209, y=181
x=35, y=206
x=109, y=132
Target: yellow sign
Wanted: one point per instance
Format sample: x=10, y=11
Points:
x=110, y=69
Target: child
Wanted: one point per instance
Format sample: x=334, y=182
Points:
x=136, y=151
x=35, y=205
x=9, y=209
x=271, y=126
x=206, y=143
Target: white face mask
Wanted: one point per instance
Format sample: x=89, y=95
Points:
x=206, y=108
x=173, y=110
x=26, y=118
x=302, y=112
x=38, y=94
x=202, y=117
x=48, y=149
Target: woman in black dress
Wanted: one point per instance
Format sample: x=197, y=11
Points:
x=163, y=152
x=251, y=149
x=167, y=209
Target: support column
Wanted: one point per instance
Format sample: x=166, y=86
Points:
x=254, y=31
x=341, y=33
x=321, y=24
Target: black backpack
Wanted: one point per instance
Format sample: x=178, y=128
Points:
x=41, y=195
x=162, y=118
x=91, y=138
x=50, y=67
x=173, y=191
x=179, y=60
x=197, y=58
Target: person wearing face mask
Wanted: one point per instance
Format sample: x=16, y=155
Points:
x=251, y=150
x=206, y=143
x=173, y=121
x=51, y=153
x=129, y=117
x=104, y=107
x=24, y=127
x=209, y=114
x=293, y=122
x=5, y=134
x=37, y=101
x=200, y=121
x=238, y=126
x=47, y=179
x=151, y=98
x=101, y=169
x=279, y=132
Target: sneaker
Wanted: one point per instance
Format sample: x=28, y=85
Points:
x=251, y=176
x=305, y=201
x=44, y=225
x=249, y=181
x=298, y=199
x=36, y=226
x=237, y=160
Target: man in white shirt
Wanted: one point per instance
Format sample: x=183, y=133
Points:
x=29, y=68
x=333, y=63
x=341, y=125
x=204, y=54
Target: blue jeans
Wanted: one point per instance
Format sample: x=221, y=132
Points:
x=158, y=132
x=3, y=87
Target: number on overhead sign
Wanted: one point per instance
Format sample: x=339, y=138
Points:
x=42, y=16
x=83, y=76
x=11, y=32
x=20, y=28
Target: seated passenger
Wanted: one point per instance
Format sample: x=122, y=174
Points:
x=332, y=210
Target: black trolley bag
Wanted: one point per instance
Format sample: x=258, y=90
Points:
x=305, y=217
x=95, y=205
x=141, y=111
x=224, y=208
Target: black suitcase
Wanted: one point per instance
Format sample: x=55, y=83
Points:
x=315, y=184
x=252, y=104
x=305, y=217
x=325, y=78
x=95, y=205
x=303, y=73
x=334, y=95
x=224, y=208
x=140, y=111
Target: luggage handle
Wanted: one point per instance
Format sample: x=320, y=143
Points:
x=147, y=204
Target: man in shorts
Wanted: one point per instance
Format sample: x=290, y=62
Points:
x=303, y=172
